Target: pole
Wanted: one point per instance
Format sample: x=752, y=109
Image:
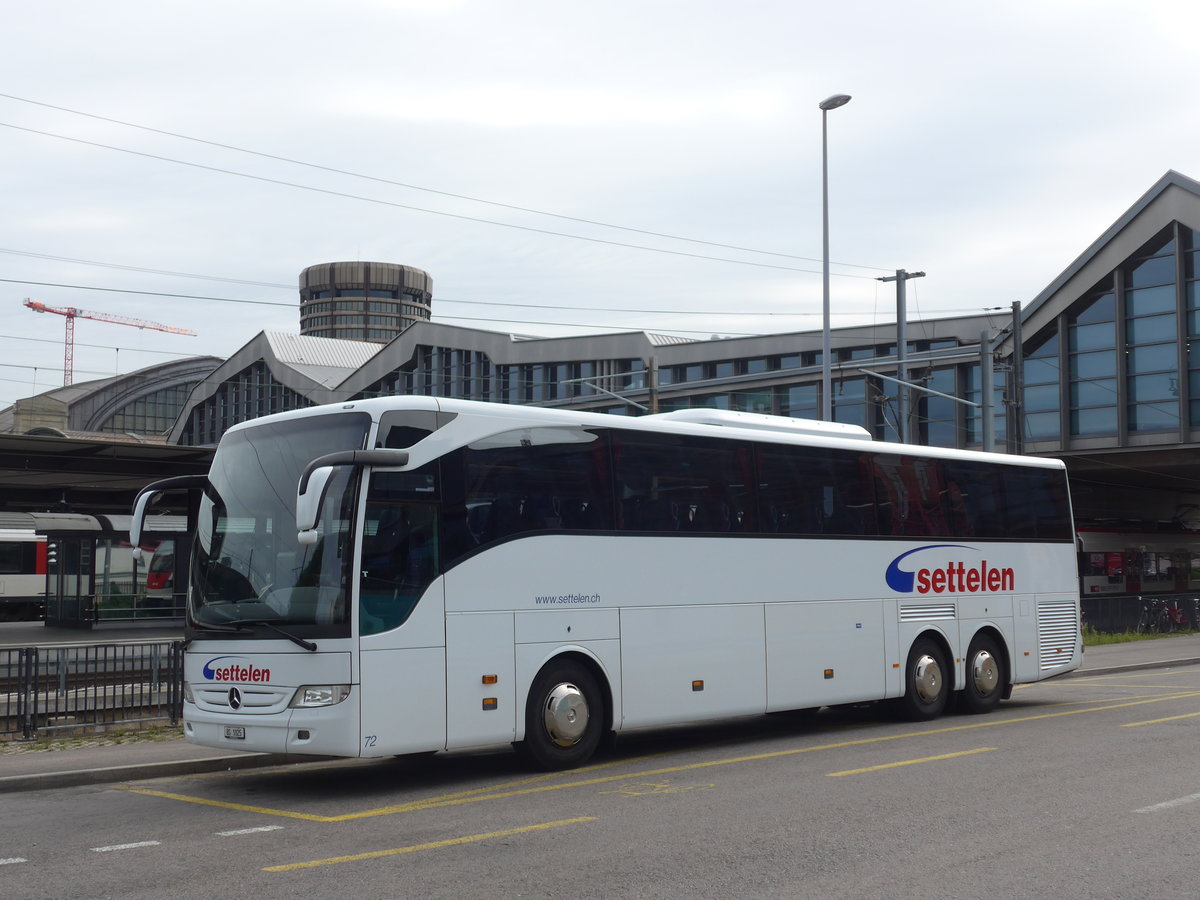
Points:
x=986, y=392
x=901, y=277
x=1016, y=387
x=826, y=338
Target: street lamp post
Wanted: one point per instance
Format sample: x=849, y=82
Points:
x=826, y=341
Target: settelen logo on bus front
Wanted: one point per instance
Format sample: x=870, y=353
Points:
x=231, y=668
x=946, y=575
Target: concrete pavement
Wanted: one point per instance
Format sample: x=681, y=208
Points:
x=139, y=759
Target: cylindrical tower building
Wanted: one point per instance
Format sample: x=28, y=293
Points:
x=363, y=301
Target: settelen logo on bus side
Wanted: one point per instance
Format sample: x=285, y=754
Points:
x=227, y=668
x=952, y=577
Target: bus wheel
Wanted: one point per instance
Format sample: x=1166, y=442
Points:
x=986, y=676
x=925, y=687
x=564, y=717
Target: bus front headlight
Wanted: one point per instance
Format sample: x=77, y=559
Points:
x=188, y=696
x=310, y=695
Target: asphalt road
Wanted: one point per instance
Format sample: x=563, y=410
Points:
x=1081, y=787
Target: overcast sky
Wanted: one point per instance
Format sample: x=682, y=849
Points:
x=985, y=145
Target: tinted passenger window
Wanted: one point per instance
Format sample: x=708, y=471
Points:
x=804, y=490
x=975, y=499
x=682, y=483
x=1038, y=504
x=536, y=479
x=910, y=497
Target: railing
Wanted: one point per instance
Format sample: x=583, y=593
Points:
x=1115, y=613
x=94, y=685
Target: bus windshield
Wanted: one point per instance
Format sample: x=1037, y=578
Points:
x=248, y=566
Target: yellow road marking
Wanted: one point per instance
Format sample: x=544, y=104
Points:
x=909, y=762
x=432, y=845
x=503, y=793
x=1156, y=721
x=222, y=804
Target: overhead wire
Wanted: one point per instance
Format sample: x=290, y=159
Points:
x=435, y=212
x=414, y=187
x=292, y=304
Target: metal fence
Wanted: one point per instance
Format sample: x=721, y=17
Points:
x=1130, y=612
x=46, y=689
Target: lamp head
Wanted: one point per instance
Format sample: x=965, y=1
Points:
x=834, y=102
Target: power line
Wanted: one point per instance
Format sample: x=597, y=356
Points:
x=433, y=212
x=414, y=187
x=295, y=305
x=91, y=262
x=89, y=287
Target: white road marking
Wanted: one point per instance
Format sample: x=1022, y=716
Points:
x=249, y=830
x=13, y=861
x=1169, y=804
x=125, y=846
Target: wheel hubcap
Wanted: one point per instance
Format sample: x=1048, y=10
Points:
x=984, y=672
x=927, y=678
x=565, y=715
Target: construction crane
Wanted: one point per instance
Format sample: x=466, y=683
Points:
x=72, y=313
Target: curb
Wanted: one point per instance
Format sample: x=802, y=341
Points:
x=1133, y=667
x=110, y=774
x=138, y=772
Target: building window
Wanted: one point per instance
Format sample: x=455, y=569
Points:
x=754, y=402
x=799, y=401
x=1041, y=391
x=1092, y=365
x=850, y=402
x=938, y=415
x=1151, y=338
x=974, y=415
x=1191, y=271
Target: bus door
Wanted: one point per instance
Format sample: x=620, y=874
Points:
x=401, y=621
x=399, y=560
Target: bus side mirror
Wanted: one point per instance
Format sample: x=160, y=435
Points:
x=309, y=497
x=153, y=492
x=310, y=492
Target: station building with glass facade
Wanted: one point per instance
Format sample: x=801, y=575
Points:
x=1108, y=356
x=1102, y=369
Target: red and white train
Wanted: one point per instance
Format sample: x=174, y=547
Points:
x=22, y=575
x=1113, y=562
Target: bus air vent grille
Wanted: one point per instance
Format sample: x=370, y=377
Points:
x=923, y=612
x=1058, y=633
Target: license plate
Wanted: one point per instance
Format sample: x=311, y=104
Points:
x=235, y=732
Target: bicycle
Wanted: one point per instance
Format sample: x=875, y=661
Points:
x=1160, y=616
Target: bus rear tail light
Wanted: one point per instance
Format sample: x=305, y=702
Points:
x=310, y=695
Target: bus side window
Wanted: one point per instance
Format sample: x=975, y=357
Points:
x=537, y=480
x=682, y=483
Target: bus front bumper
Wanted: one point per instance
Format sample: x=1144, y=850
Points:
x=321, y=731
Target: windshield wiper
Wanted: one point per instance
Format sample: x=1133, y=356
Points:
x=201, y=626
x=295, y=639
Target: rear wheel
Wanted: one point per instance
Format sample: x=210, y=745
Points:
x=987, y=676
x=564, y=717
x=926, y=689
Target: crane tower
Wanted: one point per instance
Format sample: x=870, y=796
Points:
x=72, y=313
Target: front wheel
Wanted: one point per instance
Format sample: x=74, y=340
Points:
x=925, y=687
x=987, y=676
x=564, y=717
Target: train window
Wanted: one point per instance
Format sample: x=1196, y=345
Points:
x=11, y=557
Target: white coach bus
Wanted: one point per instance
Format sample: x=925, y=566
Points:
x=414, y=574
